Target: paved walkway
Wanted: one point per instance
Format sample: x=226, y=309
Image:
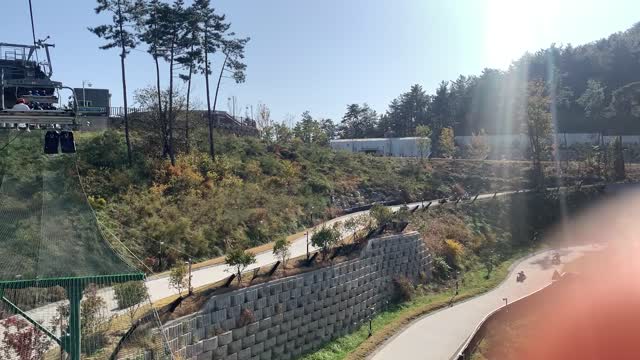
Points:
x=159, y=288
x=440, y=335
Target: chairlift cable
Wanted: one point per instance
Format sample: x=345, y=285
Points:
x=33, y=30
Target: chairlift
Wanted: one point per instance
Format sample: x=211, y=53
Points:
x=23, y=77
x=51, y=142
x=67, y=143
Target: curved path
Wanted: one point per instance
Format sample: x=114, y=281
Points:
x=441, y=335
x=158, y=287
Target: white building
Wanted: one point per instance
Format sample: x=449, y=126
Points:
x=401, y=147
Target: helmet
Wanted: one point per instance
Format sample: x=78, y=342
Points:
x=20, y=101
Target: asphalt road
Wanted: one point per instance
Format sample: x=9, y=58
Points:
x=440, y=335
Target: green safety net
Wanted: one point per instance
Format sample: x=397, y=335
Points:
x=52, y=249
x=47, y=227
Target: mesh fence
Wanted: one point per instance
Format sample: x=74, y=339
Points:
x=47, y=227
x=51, y=244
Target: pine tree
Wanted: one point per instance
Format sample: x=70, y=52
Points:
x=538, y=127
x=117, y=35
x=190, y=59
x=215, y=37
x=151, y=31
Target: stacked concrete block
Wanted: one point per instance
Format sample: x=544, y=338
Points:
x=295, y=315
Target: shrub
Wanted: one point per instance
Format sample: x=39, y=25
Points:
x=129, y=293
x=404, y=290
x=22, y=341
x=454, y=252
x=130, y=296
x=381, y=214
x=441, y=269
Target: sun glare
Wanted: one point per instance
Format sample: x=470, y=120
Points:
x=512, y=26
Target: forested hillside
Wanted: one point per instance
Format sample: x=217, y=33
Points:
x=594, y=88
x=254, y=191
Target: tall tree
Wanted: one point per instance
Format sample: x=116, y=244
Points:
x=176, y=21
x=593, y=100
x=151, y=21
x=537, y=123
x=215, y=37
x=423, y=132
x=328, y=127
x=624, y=109
x=117, y=35
x=191, y=58
x=358, y=122
x=441, y=108
x=406, y=112
x=309, y=131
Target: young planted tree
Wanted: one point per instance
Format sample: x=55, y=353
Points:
x=281, y=249
x=325, y=238
x=479, y=147
x=538, y=127
x=423, y=133
x=130, y=296
x=178, y=277
x=446, y=143
x=351, y=225
x=117, y=35
x=381, y=214
x=240, y=260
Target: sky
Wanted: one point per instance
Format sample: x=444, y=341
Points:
x=320, y=55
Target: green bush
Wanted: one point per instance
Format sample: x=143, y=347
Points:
x=129, y=294
x=404, y=289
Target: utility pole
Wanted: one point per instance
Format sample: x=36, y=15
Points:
x=160, y=256
x=307, y=234
x=84, y=96
x=190, y=287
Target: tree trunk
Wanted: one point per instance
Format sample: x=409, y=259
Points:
x=172, y=155
x=165, y=145
x=123, y=54
x=215, y=99
x=206, y=77
x=186, y=128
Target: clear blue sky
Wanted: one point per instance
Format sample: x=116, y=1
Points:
x=322, y=55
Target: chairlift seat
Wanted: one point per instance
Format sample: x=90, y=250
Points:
x=51, y=142
x=38, y=117
x=67, y=143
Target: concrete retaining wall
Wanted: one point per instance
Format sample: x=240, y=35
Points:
x=295, y=315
